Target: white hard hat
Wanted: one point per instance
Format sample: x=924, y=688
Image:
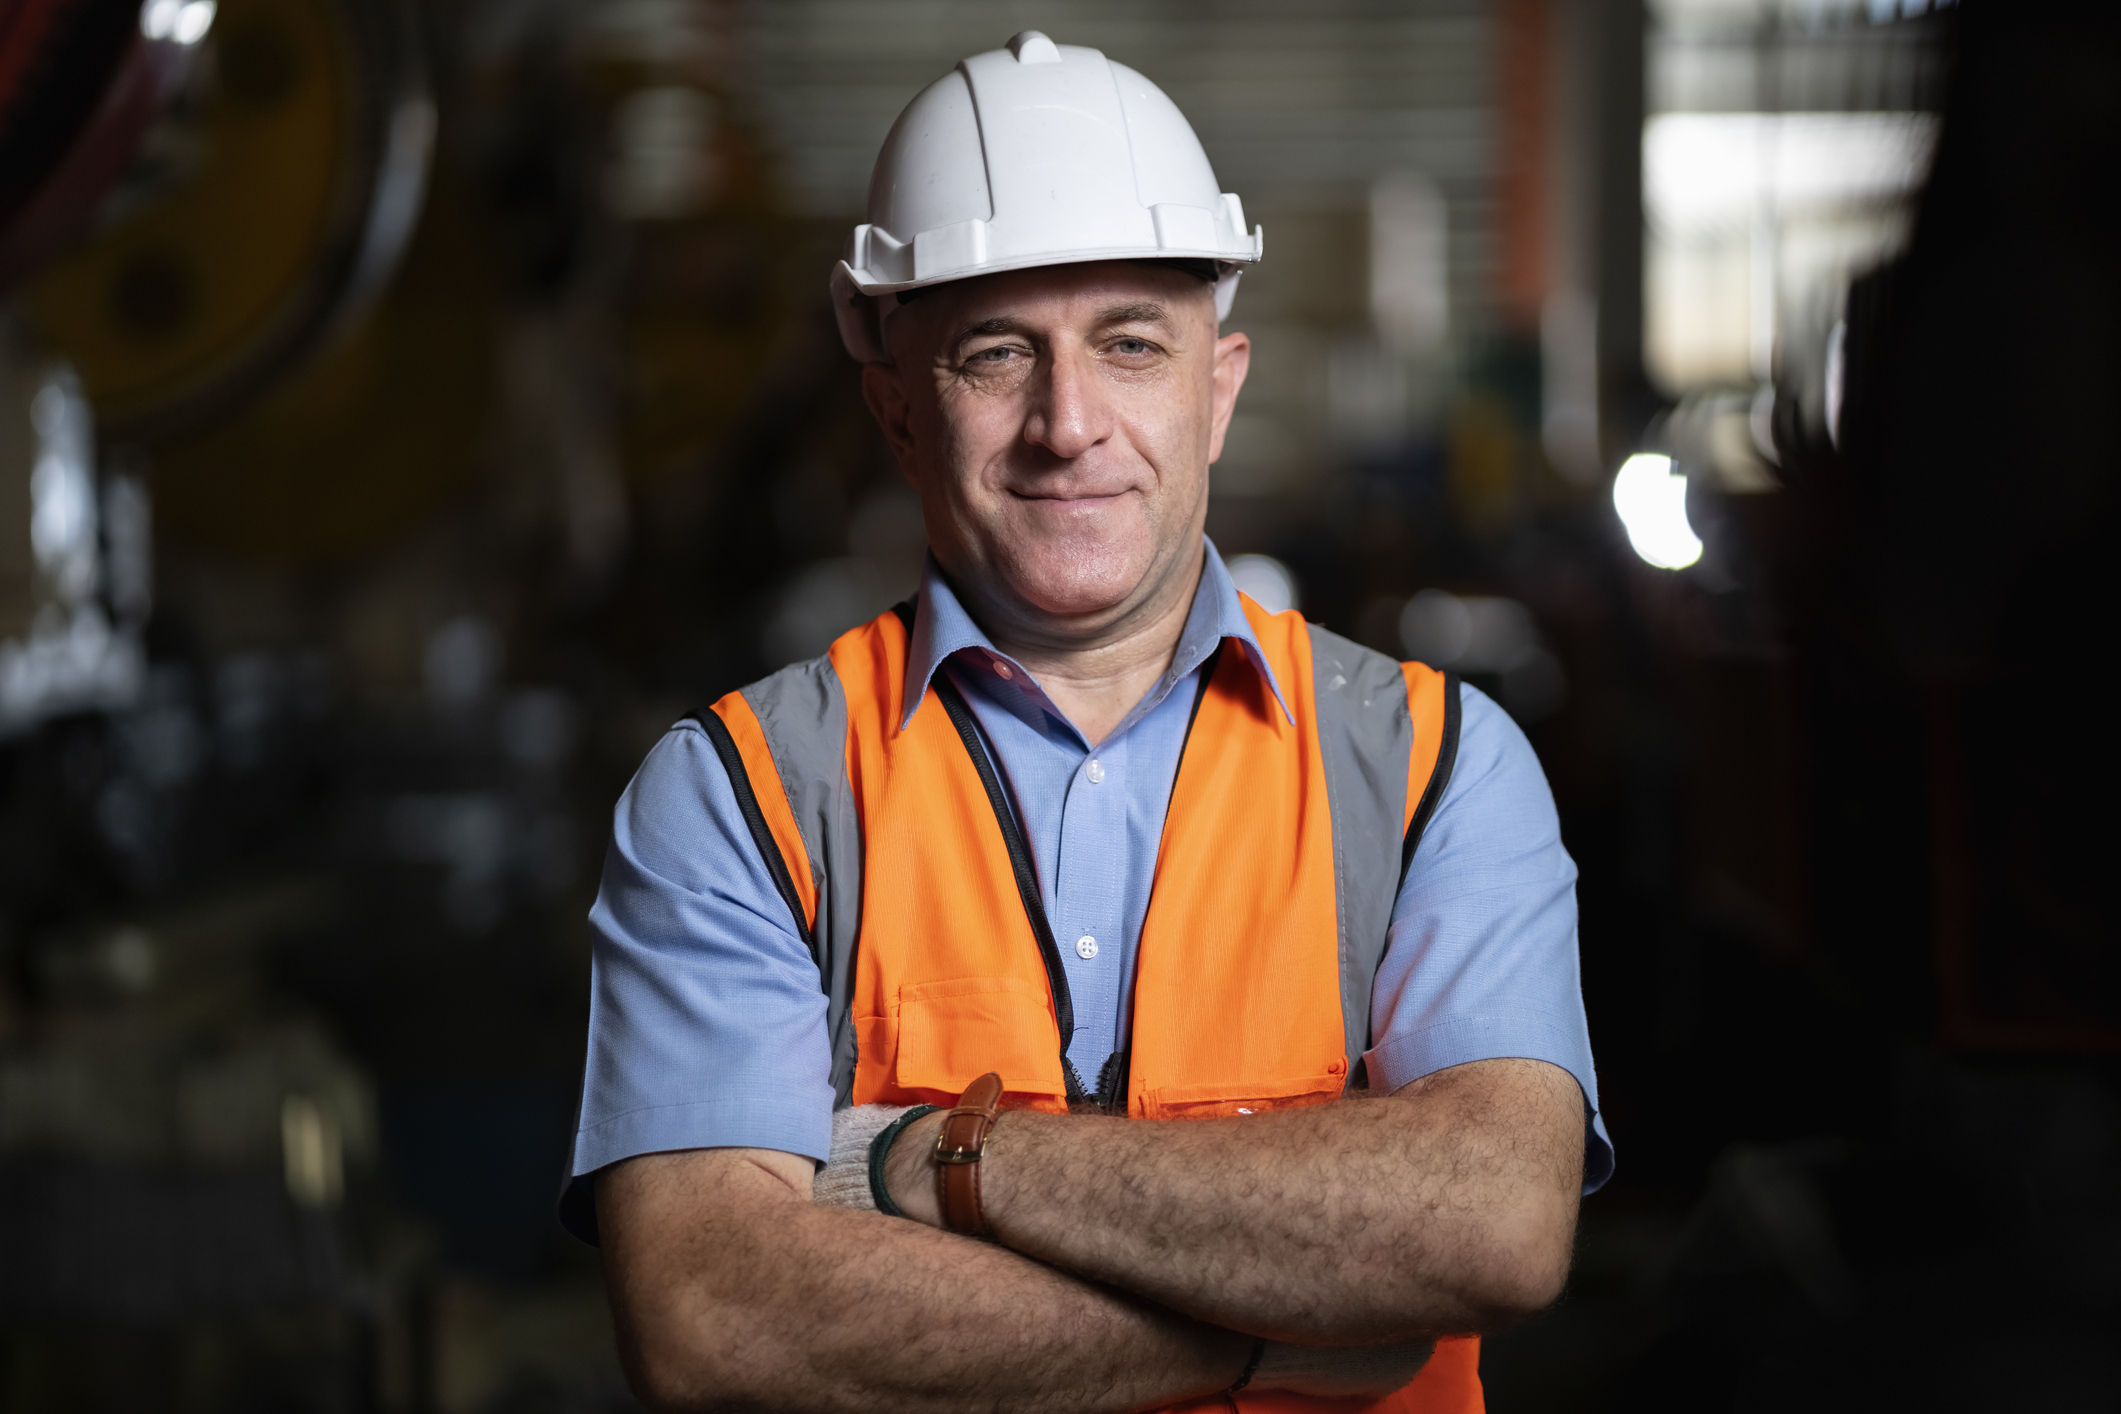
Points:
x=1037, y=154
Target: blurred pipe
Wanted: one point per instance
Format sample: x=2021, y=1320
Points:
x=1524, y=101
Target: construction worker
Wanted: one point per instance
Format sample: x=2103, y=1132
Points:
x=1080, y=989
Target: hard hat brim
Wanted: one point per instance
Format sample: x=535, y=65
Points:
x=854, y=303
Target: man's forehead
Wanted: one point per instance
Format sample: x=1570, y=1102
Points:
x=1097, y=293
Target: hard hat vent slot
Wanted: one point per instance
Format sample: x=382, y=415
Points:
x=1185, y=228
x=1031, y=47
x=948, y=249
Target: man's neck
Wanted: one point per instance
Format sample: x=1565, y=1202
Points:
x=1097, y=681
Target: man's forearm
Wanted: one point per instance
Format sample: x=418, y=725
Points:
x=1448, y=1207
x=734, y=1291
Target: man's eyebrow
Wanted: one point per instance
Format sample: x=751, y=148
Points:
x=999, y=324
x=1148, y=312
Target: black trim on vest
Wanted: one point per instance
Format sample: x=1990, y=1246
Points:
x=1439, y=779
x=1020, y=862
x=1112, y=1081
x=1113, y=1078
x=747, y=804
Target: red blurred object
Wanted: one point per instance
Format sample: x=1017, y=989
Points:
x=80, y=85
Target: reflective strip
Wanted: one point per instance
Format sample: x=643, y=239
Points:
x=1367, y=737
x=802, y=714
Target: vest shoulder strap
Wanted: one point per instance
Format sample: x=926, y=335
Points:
x=801, y=715
x=1388, y=733
x=768, y=818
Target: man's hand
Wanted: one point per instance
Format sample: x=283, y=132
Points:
x=733, y=1290
x=1449, y=1206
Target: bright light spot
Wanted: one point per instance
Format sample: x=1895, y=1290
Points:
x=63, y=488
x=185, y=21
x=1755, y=213
x=1651, y=499
x=63, y=510
x=194, y=20
x=1269, y=581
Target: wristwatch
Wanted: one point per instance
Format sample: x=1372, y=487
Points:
x=958, y=1149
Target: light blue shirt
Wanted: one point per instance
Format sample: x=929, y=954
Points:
x=707, y=1023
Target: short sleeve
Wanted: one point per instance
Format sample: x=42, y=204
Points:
x=706, y=1018
x=1481, y=962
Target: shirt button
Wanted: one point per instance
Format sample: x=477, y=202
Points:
x=1003, y=668
x=1096, y=772
x=1086, y=947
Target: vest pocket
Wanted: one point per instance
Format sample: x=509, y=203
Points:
x=1243, y=1097
x=951, y=1033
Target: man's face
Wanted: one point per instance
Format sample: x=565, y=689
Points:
x=1059, y=423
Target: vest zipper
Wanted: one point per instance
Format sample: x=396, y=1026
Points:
x=1026, y=879
x=1111, y=1096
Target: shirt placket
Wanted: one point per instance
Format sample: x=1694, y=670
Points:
x=1085, y=911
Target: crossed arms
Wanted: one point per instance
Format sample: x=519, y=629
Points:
x=1137, y=1259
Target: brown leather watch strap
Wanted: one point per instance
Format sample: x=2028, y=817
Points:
x=958, y=1149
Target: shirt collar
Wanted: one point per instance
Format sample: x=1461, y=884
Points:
x=941, y=627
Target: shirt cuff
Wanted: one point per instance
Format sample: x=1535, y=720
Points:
x=797, y=1120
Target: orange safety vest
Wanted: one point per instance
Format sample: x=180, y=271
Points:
x=939, y=960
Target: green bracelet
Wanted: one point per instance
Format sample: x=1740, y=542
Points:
x=880, y=1149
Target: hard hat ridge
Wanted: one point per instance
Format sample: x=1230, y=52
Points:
x=1034, y=154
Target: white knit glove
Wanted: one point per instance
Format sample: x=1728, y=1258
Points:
x=1340, y=1370
x=844, y=1180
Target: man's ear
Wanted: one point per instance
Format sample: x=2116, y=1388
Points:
x=1233, y=360
x=885, y=391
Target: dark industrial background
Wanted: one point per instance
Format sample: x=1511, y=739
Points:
x=408, y=410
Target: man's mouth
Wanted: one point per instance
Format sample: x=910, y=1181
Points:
x=1069, y=497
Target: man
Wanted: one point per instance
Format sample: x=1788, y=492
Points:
x=1249, y=953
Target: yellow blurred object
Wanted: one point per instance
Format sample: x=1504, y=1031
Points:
x=383, y=429
x=302, y=142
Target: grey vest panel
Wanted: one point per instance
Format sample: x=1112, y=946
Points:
x=803, y=709
x=1365, y=732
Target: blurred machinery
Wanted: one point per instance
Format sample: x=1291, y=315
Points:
x=244, y=179
x=270, y=203
x=194, y=201
x=342, y=341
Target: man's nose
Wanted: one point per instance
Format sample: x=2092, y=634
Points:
x=1069, y=413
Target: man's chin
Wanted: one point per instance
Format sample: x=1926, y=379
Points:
x=1073, y=591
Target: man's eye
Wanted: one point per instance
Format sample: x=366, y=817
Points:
x=1130, y=347
x=1000, y=353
